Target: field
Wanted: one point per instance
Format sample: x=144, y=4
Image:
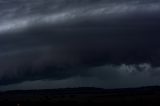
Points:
x=147, y=96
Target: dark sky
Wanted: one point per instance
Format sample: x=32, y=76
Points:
x=72, y=43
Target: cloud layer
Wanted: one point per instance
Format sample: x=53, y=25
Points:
x=107, y=76
x=69, y=39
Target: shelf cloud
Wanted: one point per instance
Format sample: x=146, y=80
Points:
x=54, y=41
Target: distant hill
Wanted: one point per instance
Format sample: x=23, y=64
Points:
x=84, y=90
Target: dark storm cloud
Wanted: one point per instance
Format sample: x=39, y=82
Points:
x=66, y=38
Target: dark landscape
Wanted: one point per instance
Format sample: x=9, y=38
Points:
x=86, y=95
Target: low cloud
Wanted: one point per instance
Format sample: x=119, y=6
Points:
x=107, y=76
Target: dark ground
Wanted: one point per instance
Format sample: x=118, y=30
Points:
x=148, y=96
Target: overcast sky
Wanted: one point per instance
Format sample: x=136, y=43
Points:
x=75, y=43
